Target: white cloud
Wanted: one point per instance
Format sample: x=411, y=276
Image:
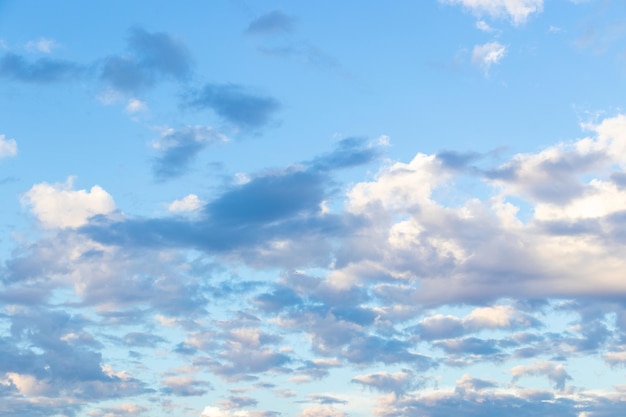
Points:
x=135, y=106
x=42, y=45
x=488, y=54
x=8, y=147
x=484, y=26
x=218, y=412
x=554, y=372
x=517, y=10
x=186, y=204
x=321, y=411
x=59, y=206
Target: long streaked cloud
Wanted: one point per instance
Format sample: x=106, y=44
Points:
x=274, y=21
x=40, y=71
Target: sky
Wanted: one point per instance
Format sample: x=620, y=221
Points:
x=313, y=209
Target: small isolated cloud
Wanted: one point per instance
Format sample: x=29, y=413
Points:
x=484, y=26
x=135, y=106
x=554, y=372
x=488, y=54
x=178, y=148
x=8, y=147
x=186, y=204
x=516, y=10
x=271, y=22
x=236, y=104
x=42, y=45
x=59, y=206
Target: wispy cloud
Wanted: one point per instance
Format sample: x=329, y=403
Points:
x=517, y=10
x=271, y=22
x=487, y=55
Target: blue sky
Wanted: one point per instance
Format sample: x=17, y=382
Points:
x=313, y=209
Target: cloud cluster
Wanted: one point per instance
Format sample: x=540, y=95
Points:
x=516, y=10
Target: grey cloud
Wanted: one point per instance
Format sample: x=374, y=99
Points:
x=459, y=161
x=398, y=382
x=468, y=346
x=619, y=178
x=41, y=71
x=153, y=56
x=325, y=399
x=179, y=147
x=140, y=339
x=349, y=152
x=243, y=221
x=236, y=104
x=271, y=22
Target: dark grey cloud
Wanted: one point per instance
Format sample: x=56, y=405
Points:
x=41, y=71
x=271, y=22
x=153, y=56
x=236, y=104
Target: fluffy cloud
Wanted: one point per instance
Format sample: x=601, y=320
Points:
x=59, y=206
x=8, y=147
x=517, y=10
x=188, y=203
x=554, y=372
x=487, y=55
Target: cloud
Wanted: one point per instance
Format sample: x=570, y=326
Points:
x=272, y=22
x=179, y=147
x=398, y=382
x=8, y=147
x=121, y=410
x=517, y=10
x=615, y=358
x=41, y=71
x=554, y=372
x=321, y=411
x=273, y=217
x=59, y=206
x=135, y=106
x=236, y=104
x=42, y=45
x=189, y=203
x=153, y=56
x=487, y=55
